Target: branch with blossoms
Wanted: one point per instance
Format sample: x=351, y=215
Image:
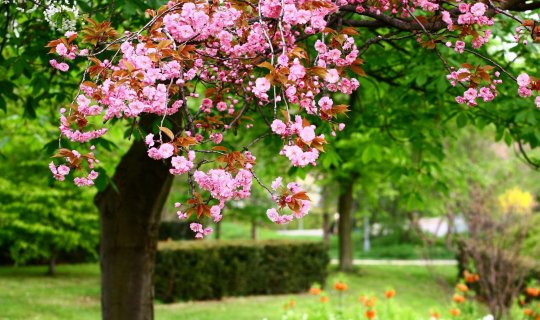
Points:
x=215, y=68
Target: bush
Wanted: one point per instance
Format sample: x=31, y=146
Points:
x=200, y=270
x=175, y=230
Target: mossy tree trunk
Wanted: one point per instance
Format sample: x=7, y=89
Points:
x=129, y=221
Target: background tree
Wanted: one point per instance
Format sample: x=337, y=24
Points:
x=36, y=221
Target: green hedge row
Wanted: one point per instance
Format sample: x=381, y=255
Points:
x=201, y=270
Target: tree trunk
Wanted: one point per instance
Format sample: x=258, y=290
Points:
x=129, y=221
x=326, y=227
x=367, y=233
x=326, y=215
x=218, y=230
x=253, y=229
x=51, y=271
x=345, y=203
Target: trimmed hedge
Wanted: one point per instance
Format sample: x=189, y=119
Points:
x=202, y=270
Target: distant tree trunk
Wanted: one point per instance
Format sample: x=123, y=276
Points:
x=326, y=215
x=253, y=229
x=326, y=227
x=345, y=203
x=51, y=271
x=129, y=221
x=367, y=242
x=218, y=231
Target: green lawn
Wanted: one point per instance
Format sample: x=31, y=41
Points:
x=26, y=293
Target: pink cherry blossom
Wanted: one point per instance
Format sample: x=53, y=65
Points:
x=523, y=80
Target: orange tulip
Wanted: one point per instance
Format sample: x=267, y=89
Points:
x=434, y=314
x=389, y=294
x=462, y=287
x=370, y=303
x=315, y=291
x=324, y=299
x=527, y=312
x=533, y=292
x=470, y=277
x=370, y=314
x=455, y=312
x=340, y=286
x=458, y=298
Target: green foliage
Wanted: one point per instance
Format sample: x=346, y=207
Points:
x=199, y=270
x=38, y=221
x=175, y=230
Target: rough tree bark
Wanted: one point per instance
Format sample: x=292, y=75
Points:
x=345, y=203
x=129, y=221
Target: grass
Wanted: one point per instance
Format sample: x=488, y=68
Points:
x=26, y=293
x=381, y=247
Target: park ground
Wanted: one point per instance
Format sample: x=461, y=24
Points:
x=27, y=293
x=73, y=293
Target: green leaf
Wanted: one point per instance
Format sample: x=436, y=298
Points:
x=499, y=134
x=105, y=143
x=521, y=116
x=102, y=181
x=421, y=79
x=442, y=85
x=29, y=108
x=508, y=138
x=372, y=152
x=461, y=120
x=3, y=104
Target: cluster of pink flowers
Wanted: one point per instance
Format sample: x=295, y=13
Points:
x=60, y=172
x=223, y=186
x=296, y=13
x=299, y=156
x=464, y=75
x=427, y=5
x=284, y=199
x=77, y=135
x=200, y=232
x=470, y=95
x=66, y=51
x=75, y=159
x=221, y=46
x=182, y=164
x=524, y=82
x=471, y=15
x=62, y=66
x=86, y=181
x=165, y=151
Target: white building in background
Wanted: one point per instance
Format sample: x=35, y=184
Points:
x=439, y=226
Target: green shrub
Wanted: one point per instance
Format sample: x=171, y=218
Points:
x=175, y=230
x=200, y=270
